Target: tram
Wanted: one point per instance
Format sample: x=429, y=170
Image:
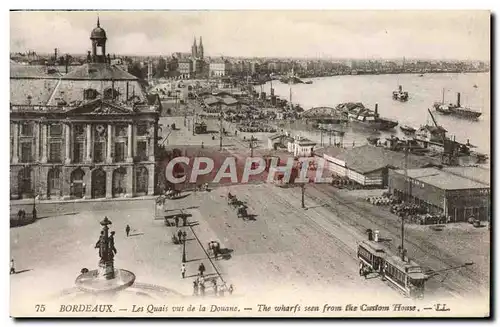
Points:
x=407, y=276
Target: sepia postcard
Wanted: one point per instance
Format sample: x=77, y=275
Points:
x=250, y=164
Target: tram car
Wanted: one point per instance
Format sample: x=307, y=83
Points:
x=406, y=276
x=371, y=257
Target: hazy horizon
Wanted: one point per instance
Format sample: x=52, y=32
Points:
x=309, y=35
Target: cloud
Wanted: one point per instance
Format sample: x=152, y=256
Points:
x=358, y=34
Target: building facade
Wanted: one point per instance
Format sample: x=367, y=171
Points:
x=220, y=67
x=185, y=68
x=88, y=134
x=442, y=192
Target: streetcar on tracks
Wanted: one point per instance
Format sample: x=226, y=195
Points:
x=407, y=276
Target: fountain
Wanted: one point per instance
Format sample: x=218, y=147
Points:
x=108, y=282
x=105, y=279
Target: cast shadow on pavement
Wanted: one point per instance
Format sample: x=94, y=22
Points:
x=204, y=275
x=22, y=271
x=135, y=234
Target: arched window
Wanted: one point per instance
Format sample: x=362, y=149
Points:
x=90, y=94
x=25, y=184
x=54, y=182
x=110, y=93
x=77, y=186
x=119, y=181
x=141, y=180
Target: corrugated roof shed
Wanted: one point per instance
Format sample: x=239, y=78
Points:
x=478, y=174
x=442, y=179
x=368, y=158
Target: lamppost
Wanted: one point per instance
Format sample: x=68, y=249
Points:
x=303, y=187
x=183, y=236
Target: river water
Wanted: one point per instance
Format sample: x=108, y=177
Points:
x=423, y=90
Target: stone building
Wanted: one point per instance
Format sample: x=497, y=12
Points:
x=88, y=134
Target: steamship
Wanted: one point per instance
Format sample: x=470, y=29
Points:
x=362, y=117
x=456, y=109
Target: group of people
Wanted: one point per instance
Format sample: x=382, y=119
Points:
x=199, y=287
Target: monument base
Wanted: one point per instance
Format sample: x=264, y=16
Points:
x=95, y=281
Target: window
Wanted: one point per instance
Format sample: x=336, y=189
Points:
x=99, y=151
x=27, y=129
x=110, y=94
x=26, y=152
x=142, y=150
x=55, y=152
x=119, y=151
x=54, y=181
x=142, y=129
x=121, y=130
x=56, y=130
x=89, y=94
x=78, y=152
x=79, y=130
x=141, y=180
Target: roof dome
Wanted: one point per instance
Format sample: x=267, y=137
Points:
x=98, y=32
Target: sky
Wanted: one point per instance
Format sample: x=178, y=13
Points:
x=299, y=34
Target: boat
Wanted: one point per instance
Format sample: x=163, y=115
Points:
x=400, y=95
x=407, y=129
x=456, y=109
x=475, y=86
x=363, y=117
x=421, y=75
x=291, y=80
x=309, y=82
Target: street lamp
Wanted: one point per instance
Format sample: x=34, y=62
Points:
x=183, y=236
x=303, y=187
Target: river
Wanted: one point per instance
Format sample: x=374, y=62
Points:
x=423, y=90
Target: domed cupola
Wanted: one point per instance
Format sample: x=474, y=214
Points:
x=98, y=38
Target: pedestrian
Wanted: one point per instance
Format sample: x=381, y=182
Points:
x=201, y=269
x=176, y=221
x=127, y=230
x=183, y=270
x=179, y=235
x=231, y=289
x=195, y=288
x=184, y=220
x=202, y=289
x=184, y=235
x=12, y=268
x=214, y=282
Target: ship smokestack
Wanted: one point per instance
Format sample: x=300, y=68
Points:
x=458, y=99
x=55, y=56
x=400, y=88
x=376, y=109
x=370, y=234
x=376, y=236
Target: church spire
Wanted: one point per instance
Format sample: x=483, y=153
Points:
x=194, y=49
x=200, y=49
x=98, y=24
